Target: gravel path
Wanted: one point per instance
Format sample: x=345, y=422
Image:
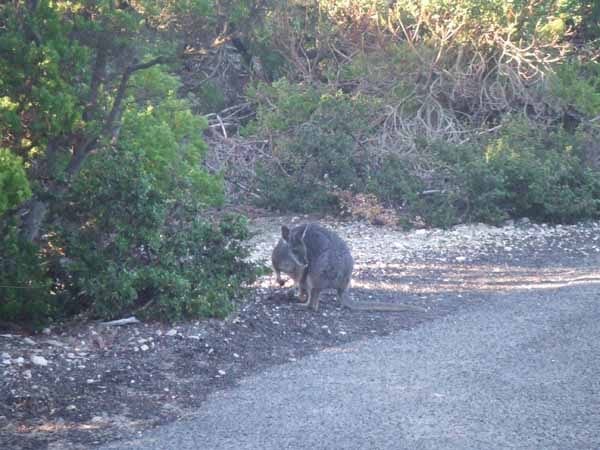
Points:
x=512, y=363
x=518, y=371
x=495, y=297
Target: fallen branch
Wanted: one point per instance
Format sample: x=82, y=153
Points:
x=118, y=322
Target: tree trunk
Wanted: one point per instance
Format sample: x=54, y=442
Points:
x=34, y=217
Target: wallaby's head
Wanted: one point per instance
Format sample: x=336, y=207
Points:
x=284, y=260
x=295, y=238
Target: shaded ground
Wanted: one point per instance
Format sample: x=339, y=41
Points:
x=101, y=383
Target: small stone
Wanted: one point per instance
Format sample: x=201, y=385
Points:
x=46, y=331
x=144, y=348
x=4, y=355
x=71, y=408
x=39, y=360
x=142, y=341
x=460, y=258
x=222, y=372
x=20, y=360
x=27, y=374
x=171, y=332
x=29, y=341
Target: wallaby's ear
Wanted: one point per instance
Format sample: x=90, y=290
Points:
x=285, y=233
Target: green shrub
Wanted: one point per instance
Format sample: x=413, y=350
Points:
x=316, y=146
x=525, y=171
x=577, y=87
x=130, y=246
x=25, y=294
x=14, y=186
x=543, y=174
x=393, y=183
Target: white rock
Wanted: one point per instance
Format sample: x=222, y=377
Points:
x=20, y=360
x=29, y=341
x=39, y=360
x=171, y=332
x=4, y=355
x=27, y=374
x=144, y=347
x=71, y=408
x=222, y=372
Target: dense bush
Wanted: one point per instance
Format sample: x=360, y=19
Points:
x=319, y=146
x=25, y=285
x=94, y=135
x=14, y=186
x=525, y=171
x=449, y=112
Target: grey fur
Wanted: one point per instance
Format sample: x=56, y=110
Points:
x=284, y=261
x=318, y=259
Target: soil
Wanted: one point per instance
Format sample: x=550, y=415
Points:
x=74, y=386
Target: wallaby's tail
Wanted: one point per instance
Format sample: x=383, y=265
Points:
x=375, y=306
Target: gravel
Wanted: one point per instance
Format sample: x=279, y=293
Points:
x=102, y=383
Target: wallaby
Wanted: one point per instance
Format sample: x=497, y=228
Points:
x=318, y=259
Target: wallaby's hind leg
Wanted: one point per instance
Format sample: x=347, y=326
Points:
x=304, y=293
x=342, y=295
x=314, y=299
